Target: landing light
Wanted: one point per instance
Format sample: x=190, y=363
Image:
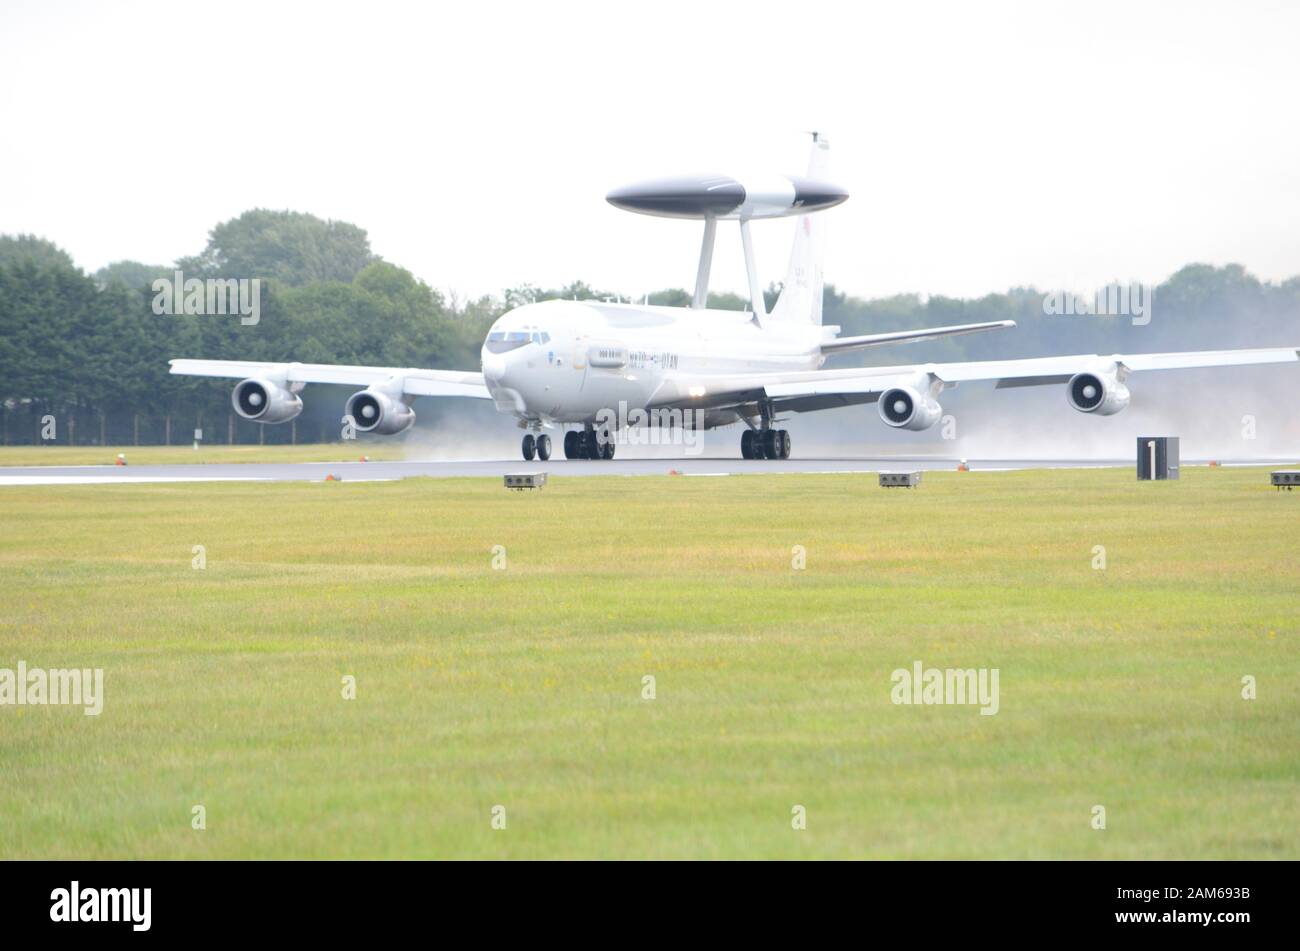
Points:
x=696, y=391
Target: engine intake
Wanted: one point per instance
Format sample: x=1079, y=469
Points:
x=1098, y=393
x=265, y=402
x=905, y=408
x=376, y=412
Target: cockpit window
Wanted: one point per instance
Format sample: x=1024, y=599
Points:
x=501, y=342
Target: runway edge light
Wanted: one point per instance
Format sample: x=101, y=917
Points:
x=1286, y=479
x=525, y=480
x=905, y=480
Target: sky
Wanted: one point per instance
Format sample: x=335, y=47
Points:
x=985, y=145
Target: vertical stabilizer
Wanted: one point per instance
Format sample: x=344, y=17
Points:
x=800, y=300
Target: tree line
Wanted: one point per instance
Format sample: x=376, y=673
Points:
x=89, y=350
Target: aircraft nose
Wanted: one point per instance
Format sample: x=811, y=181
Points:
x=494, y=367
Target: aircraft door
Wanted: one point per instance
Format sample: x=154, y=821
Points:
x=579, y=359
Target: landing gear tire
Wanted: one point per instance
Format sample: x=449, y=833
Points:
x=605, y=440
x=529, y=447
x=765, y=444
x=589, y=444
x=543, y=447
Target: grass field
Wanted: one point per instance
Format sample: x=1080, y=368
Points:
x=177, y=455
x=522, y=686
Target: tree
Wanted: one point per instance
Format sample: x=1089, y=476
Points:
x=286, y=246
x=131, y=274
x=20, y=248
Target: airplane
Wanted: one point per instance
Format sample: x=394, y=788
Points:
x=568, y=363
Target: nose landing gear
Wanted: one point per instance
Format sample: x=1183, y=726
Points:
x=536, y=445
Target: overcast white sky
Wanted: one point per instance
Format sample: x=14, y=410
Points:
x=985, y=145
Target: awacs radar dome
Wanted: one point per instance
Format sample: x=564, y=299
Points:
x=724, y=197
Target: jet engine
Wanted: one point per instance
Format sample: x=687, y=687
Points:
x=265, y=402
x=1099, y=393
x=375, y=412
x=905, y=408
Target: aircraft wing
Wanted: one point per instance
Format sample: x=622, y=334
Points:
x=841, y=344
x=415, y=382
x=808, y=390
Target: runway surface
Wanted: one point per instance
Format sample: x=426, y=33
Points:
x=496, y=468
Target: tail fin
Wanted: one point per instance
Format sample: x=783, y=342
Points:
x=800, y=300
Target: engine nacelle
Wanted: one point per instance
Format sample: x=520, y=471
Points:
x=1098, y=393
x=905, y=408
x=376, y=412
x=265, y=402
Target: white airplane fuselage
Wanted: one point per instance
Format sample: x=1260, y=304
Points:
x=564, y=361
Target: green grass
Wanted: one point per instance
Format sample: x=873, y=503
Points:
x=172, y=455
x=522, y=687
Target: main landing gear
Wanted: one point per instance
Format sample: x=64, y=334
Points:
x=588, y=444
x=539, y=446
x=765, y=444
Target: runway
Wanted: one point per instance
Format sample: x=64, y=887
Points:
x=496, y=468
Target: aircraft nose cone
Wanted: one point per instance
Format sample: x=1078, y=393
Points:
x=494, y=367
